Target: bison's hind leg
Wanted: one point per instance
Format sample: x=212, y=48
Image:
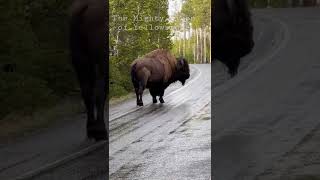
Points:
x=139, y=94
x=143, y=75
x=138, y=90
x=100, y=131
x=85, y=73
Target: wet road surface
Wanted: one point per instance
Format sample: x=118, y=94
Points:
x=267, y=115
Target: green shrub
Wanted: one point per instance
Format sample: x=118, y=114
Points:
x=22, y=93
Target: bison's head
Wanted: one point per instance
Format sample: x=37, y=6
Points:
x=183, y=72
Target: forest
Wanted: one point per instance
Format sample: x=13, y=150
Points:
x=34, y=43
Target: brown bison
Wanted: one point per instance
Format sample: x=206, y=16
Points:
x=232, y=32
x=88, y=44
x=156, y=71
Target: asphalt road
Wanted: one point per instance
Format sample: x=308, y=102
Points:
x=266, y=120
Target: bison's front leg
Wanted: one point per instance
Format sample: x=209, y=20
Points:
x=161, y=96
x=153, y=94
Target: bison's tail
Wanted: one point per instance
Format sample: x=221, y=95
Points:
x=133, y=73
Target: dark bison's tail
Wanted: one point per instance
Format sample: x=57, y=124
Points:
x=133, y=73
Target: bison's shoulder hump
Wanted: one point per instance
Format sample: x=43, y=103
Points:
x=162, y=55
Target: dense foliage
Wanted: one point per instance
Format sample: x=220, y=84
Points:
x=34, y=40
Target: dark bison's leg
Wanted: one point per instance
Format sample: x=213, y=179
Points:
x=85, y=73
x=100, y=132
x=142, y=84
x=137, y=94
x=233, y=66
x=135, y=81
x=87, y=43
x=161, y=96
x=136, y=89
x=153, y=94
x=84, y=69
x=140, y=92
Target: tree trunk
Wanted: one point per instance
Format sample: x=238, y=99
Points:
x=204, y=46
x=197, y=51
x=210, y=44
x=179, y=46
x=184, y=37
x=189, y=41
x=194, y=47
x=201, y=43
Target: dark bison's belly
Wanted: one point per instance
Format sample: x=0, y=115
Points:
x=155, y=85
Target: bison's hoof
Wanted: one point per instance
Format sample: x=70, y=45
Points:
x=233, y=73
x=161, y=100
x=154, y=100
x=140, y=103
x=97, y=135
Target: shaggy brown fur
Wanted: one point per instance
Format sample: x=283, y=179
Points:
x=88, y=36
x=156, y=71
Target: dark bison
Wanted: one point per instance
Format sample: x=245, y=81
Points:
x=156, y=71
x=232, y=32
x=88, y=43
